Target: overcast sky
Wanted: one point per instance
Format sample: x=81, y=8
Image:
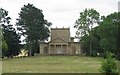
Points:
x=61, y=12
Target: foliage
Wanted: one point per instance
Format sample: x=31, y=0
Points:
x=31, y=23
x=109, y=65
x=85, y=40
x=102, y=38
x=4, y=47
x=84, y=25
x=118, y=37
x=13, y=41
x=108, y=32
x=10, y=37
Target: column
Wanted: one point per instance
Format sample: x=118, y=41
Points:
x=62, y=49
x=67, y=49
x=54, y=48
x=49, y=49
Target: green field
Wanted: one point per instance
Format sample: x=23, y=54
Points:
x=52, y=64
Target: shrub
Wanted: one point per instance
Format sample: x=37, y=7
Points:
x=109, y=65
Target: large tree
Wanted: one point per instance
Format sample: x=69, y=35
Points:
x=95, y=39
x=108, y=32
x=84, y=24
x=10, y=39
x=0, y=34
x=118, y=37
x=31, y=23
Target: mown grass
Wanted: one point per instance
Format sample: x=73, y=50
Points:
x=119, y=67
x=52, y=64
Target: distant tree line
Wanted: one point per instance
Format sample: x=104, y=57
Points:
x=102, y=38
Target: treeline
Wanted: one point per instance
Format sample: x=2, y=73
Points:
x=103, y=38
x=30, y=24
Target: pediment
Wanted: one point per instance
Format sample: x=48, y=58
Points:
x=58, y=40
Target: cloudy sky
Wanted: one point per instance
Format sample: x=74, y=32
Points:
x=61, y=12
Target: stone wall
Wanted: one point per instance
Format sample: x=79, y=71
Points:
x=62, y=33
x=74, y=48
x=43, y=48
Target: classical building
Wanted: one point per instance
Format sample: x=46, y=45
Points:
x=60, y=43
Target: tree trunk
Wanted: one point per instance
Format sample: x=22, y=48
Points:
x=30, y=48
x=90, y=47
x=91, y=40
x=90, y=44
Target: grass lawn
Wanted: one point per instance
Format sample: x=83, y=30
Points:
x=52, y=64
x=119, y=67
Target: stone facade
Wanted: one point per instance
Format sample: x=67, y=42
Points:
x=60, y=43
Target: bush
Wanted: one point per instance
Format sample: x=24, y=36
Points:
x=109, y=65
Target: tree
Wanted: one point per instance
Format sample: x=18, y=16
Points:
x=0, y=34
x=4, y=47
x=85, y=24
x=95, y=39
x=109, y=65
x=118, y=37
x=10, y=37
x=31, y=23
x=108, y=32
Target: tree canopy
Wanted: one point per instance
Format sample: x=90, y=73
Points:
x=84, y=25
x=31, y=23
x=109, y=33
x=103, y=37
x=10, y=39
